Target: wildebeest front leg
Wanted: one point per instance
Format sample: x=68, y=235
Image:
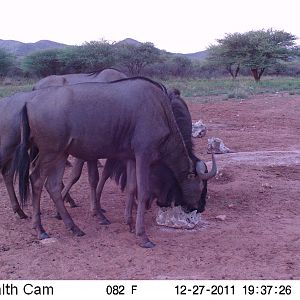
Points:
x=53, y=185
x=142, y=176
x=8, y=180
x=93, y=181
x=131, y=193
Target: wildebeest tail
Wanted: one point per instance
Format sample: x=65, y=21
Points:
x=21, y=162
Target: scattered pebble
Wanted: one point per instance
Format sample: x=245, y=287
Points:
x=48, y=241
x=267, y=185
x=221, y=217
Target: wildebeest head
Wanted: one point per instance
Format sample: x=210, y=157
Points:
x=200, y=175
x=197, y=182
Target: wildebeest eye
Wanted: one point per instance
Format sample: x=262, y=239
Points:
x=191, y=175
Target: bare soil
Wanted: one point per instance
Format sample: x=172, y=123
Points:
x=257, y=189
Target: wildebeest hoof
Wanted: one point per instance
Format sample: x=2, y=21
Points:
x=57, y=216
x=148, y=244
x=71, y=201
x=104, y=222
x=43, y=236
x=68, y=164
x=78, y=232
x=21, y=214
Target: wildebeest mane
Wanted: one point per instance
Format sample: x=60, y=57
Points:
x=183, y=119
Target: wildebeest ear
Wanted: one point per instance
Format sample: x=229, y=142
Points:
x=173, y=93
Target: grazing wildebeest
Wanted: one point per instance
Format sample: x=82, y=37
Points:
x=162, y=191
x=162, y=182
x=92, y=121
x=105, y=75
x=10, y=109
x=160, y=173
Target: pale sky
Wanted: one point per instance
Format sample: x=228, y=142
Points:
x=182, y=26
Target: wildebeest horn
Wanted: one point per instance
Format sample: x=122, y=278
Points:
x=200, y=168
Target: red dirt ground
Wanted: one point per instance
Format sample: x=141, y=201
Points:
x=257, y=189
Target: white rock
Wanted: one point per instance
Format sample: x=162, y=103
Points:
x=175, y=217
x=216, y=145
x=221, y=217
x=198, y=129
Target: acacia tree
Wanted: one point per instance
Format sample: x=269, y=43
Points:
x=264, y=49
x=136, y=57
x=89, y=57
x=42, y=63
x=227, y=53
x=256, y=50
x=6, y=62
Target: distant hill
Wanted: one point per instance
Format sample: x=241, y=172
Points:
x=194, y=56
x=129, y=41
x=22, y=49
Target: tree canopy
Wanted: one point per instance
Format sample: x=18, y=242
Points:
x=255, y=50
x=6, y=62
x=136, y=57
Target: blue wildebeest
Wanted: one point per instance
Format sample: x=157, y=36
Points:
x=114, y=121
x=105, y=75
x=10, y=108
x=164, y=186
x=168, y=191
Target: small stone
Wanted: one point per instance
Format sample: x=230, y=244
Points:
x=221, y=217
x=267, y=185
x=231, y=205
x=48, y=241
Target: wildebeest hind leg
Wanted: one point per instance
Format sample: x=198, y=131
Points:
x=142, y=176
x=95, y=202
x=8, y=180
x=37, y=182
x=53, y=185
x=74, y=177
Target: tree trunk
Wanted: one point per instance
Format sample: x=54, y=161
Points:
x=229, y=69
x=255, y=74
x=233, y=73
x=261, y=72
x=237, y=71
